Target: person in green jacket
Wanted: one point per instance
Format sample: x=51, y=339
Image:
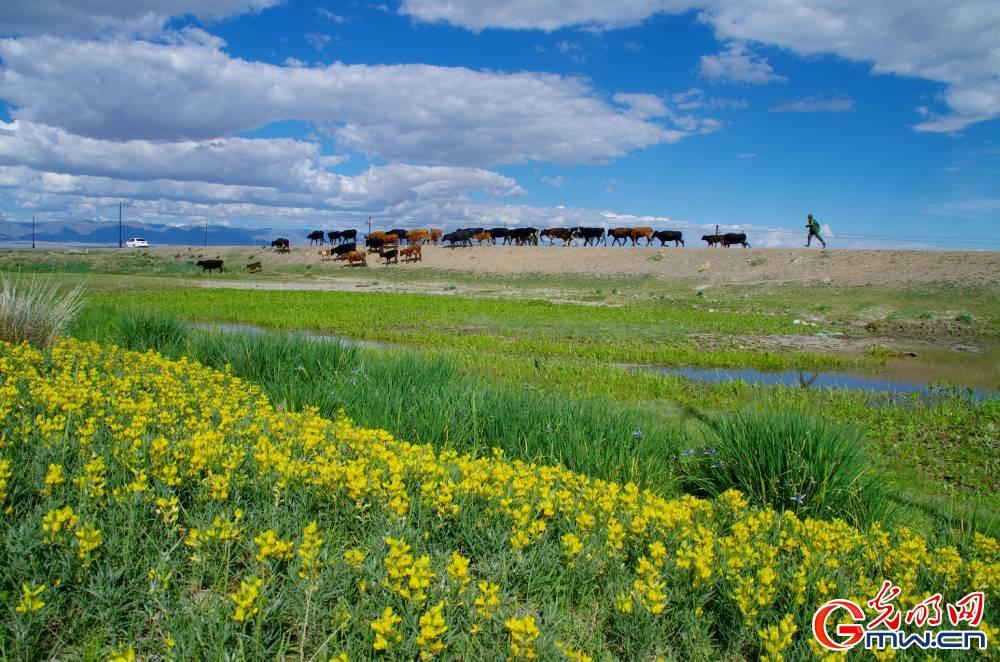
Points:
x=813, y=226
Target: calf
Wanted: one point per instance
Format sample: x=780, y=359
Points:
x=356, y=259
x=483, y=236
x=254, y=267
x=459, y=237
x=641, y=232
x=316, y=238
x=412, y=253
x=558, y=233
x=209, y=265
x=619, y=234
x=731, y=238
x=590, y=236
x=390, y=256
x=712, y=239
x=669, y=235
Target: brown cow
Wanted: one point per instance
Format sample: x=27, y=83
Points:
x=642, y=231
x=378, y=234
x=435, y=235
x=412, y=253
x=483, y=236
x=418, y=236
x=619, y=234
x=558, y=233
x=390, y=240
x=356, y=258
x=254, y=267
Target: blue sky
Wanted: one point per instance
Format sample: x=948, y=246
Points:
x=880, y=119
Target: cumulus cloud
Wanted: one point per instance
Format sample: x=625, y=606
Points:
x=738, y=64
x=123, y=90
x=837, y=104
x=953, y=43
x=94, y=17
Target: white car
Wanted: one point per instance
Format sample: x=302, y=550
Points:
x=136, y=242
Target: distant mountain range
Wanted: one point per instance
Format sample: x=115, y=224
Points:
x=104, y=233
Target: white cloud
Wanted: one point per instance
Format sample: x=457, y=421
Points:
x=318, y=41
x=838, y=104
x=737, y=64
x=648, y=105
x=121, y=90
x=556, y=181
x=953, y=43
x=94, y=17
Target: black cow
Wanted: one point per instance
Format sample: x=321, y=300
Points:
x=342, y=250
x=731, y=238
x=390, y=256
x=712, y=239
x=334, y=236
x=316, y=238
x=400, y=234
x=460, y=237
x=499, y=233
x=348, y=236
x=590, y=236
x=280, y=243
x=374, y=244
x=522, y=236
x=471, y=231
x=209, y=265
x=669, y=235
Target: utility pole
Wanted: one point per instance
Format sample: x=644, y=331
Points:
x=32, y=230
x=369, y=225
x=121, y=238
x=206, y=233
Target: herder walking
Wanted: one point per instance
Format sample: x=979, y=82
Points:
x=813, y=226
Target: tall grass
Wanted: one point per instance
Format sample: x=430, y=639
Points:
x=36, y=311
x=788, y=459
x=422, y=399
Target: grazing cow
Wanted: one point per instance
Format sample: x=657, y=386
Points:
x=418, y=236
x=499, y=233
x=390, y=256
x=669, y=235
x=640, y=232
x=340, y=251
x=280, y=242
x=374, y=244
x=316, y=237
x=524, y=236
x=356, y=259
x=460, y=237
x=334, y=236
x=402, y=235
x=435, y=235
x=731, y=238
x=558, y=233
x=590, y=236
x=712, y=239
x=619, y=234
x=254, y=267
x=412, y=253
x=208, y=265
x=483, y=236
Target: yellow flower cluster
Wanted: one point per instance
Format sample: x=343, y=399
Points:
x=103, y=432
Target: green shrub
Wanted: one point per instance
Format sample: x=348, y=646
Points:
x=141, y=331
x=787, y=460
x=36, y=311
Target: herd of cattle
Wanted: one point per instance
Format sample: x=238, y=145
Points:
x=406, y=244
